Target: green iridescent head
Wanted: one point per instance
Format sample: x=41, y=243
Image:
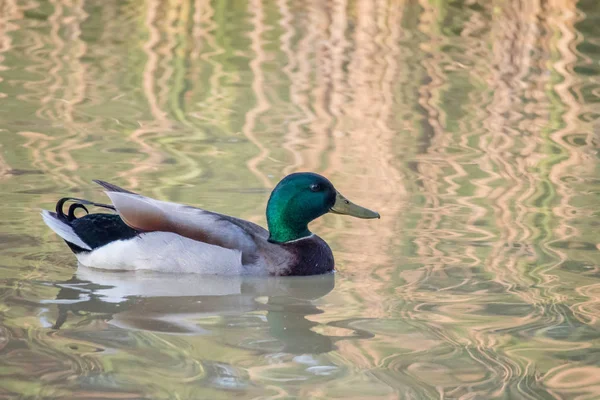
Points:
x=302, y=197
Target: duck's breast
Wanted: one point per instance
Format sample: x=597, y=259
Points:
x=307, y=256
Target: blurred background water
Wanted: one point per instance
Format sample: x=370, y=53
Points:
x=470, y=125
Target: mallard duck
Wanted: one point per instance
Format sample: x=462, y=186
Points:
x=148, y=234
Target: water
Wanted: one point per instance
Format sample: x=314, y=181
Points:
x=471, y=126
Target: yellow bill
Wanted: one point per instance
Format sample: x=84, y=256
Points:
x=346, y=207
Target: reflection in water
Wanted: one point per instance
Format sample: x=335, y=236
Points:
x=175, y=304
x=276, y=311
x=472, y=126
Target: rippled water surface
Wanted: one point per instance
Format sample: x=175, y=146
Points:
x=471, y=126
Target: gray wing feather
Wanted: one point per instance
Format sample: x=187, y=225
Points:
x=112, y=188
x=149, y=215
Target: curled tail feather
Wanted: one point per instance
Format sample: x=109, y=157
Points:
x=60, y=222
x=78, y=203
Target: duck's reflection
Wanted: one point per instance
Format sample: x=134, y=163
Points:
x=175, y=304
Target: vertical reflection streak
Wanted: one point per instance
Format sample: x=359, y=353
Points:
x=300, y=133
x=262, y=104
x=292, y=136
x=8, y=12
x=160, y=121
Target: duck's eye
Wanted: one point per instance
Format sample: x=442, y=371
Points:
x=315, y=187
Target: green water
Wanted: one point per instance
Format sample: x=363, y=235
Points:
x=471, y=126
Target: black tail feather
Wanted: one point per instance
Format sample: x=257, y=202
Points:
x=78, y=203
x=73, y=207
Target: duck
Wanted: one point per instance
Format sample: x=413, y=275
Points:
x=141, y=233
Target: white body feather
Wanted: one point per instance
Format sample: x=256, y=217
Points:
x=165, y=252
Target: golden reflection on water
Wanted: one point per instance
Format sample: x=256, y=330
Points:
x=470, y=126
